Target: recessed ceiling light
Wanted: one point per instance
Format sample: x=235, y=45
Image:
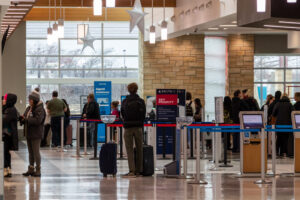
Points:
x=282, y=27
x=213, y=29
x=228, y=25
x=288, y=22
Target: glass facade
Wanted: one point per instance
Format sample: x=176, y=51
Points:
x=64, y=67
x=276, y=72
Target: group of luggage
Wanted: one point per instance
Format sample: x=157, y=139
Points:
x=108, y=160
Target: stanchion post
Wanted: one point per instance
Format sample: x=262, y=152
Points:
x=263, y=172
x=62, y=123
x=85, y=138
x=241, y=152
x=185, y=165
x=225, y=152
x=154, y=146
x=77, y=140
x=273, y=151
x=198, y=154
x=121, y=142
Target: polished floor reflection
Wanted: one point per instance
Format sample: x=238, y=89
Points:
x=65, y=177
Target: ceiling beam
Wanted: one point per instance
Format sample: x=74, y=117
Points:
x=78, y=14
x=119, y=3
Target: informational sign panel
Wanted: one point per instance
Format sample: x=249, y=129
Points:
x=166, y=105
x=102, y=90
x=101, y=129
x=168, y=132
x=219, y=110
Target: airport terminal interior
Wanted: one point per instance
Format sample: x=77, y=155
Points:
x=150, y=99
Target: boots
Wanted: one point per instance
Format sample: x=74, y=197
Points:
x=9, y=172
x=5, y=172
x=37, y=172
x=30, y=171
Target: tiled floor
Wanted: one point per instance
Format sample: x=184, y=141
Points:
x=65, y=177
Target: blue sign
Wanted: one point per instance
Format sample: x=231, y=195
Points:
x=101, y=133
x=168, y=131
x=102, y=90
x=123, y=98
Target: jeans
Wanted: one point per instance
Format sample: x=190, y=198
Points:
x=56, y=130
x=34, y=152
x=134, y=135
x=236, y=142
x=91, y=131
x=7, y=144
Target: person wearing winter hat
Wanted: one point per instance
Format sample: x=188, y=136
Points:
x=33, y=120
x=9, y=130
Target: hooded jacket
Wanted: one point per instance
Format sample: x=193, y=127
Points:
x=34, y=121
x=91, y=110
x=10, y=121
x=282, y=111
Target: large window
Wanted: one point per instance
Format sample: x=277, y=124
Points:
x=63, y=66
x=276, y=72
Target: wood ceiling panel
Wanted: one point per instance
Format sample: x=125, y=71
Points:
x=79, y=14
x=119, y=3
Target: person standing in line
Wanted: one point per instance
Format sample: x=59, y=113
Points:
x=114, y=109
x=67, y=120
x=9, y=130
x=91, y=110
x=198, y=110
x=282, y=113
x=269, y=100
x=237, y=105
x=277, y=98
x=133, y=111
x=227, y=104
x=297, y=99
x=47, y=127
x=57, y=108
x=189, y=107
x=33, y=120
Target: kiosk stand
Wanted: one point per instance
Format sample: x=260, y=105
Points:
x=296, y=125
x=251, y=143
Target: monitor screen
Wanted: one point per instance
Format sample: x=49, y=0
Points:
x=297, y=120
x=253, y=121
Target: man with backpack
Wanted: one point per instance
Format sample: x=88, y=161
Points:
x=133, y=112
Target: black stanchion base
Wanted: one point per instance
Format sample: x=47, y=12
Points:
x=226, y=165
x=94, y=159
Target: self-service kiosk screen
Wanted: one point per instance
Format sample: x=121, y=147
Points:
x=297, y=120
x=254, y=121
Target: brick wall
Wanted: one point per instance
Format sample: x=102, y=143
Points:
x=176, y=63
x=240, y=63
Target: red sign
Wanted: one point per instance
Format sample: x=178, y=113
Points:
x=167, y=99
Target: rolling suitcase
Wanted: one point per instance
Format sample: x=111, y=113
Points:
x=69, y=134
x=108, y=159
x=148, y=160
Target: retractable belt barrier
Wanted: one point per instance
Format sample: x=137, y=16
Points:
x=201, y=127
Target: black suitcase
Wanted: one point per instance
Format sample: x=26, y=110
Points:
x=148, y=160
x=108, y=159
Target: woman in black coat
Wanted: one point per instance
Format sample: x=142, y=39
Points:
x=33, y=120
x=282, y=112
x=9, y=130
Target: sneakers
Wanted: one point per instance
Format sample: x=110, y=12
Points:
x=129, y=175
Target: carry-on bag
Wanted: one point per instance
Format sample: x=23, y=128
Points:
x=69, y=134
x=108, y=159
x=148, y=160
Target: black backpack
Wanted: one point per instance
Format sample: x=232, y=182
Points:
x=189, y=109
x=134, y=110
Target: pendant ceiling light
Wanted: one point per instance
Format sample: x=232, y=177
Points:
x=55, y=25
x=164, y=25
x=110, y=3
x=261, y=5
x=97, y=7
x=49, y=30
x=292, y=1
x=61, y=30
x=152, y=35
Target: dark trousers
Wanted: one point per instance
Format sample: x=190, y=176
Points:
x=34, y=152
x=7, y=145
x=282, y=143
x=46, y=132
x=134, y=135
x=236, y=142
x=56, y=130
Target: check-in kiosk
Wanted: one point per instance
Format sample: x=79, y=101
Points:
x=250, y=142
x=296, y=125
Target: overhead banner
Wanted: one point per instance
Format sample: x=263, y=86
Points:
x=166, y=104
x=102, y=91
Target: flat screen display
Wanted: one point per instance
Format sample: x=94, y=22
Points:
x=254, y=121
x=297, y=120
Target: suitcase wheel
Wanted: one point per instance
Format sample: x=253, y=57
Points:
x=105, y=175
